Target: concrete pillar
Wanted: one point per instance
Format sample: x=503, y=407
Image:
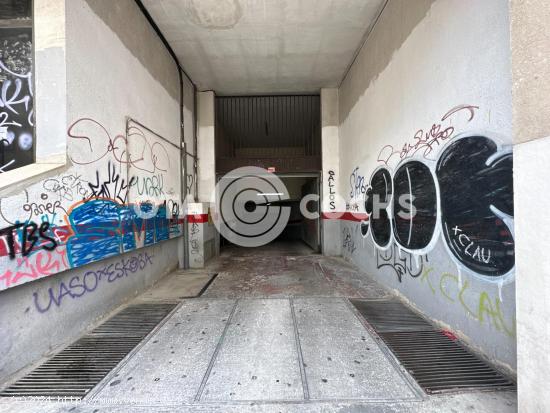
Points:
x=531, y=119
x=203, y=237
x=206, y=145
x=331, y=172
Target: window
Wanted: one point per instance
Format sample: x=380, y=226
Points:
x=17, y=148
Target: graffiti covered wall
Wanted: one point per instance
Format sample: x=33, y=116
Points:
x=86, y=214
x=426, y=163
x=78, y=243
x=122, y=192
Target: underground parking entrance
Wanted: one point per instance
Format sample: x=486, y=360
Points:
x=280, y=324
x=284, y=221
x=282, y=135
x=308, y=305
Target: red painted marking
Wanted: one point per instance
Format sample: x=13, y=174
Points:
x=197, y=219
x=62, y=233
x=449, y=334
x=346, y=216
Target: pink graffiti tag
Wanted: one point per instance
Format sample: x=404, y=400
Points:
x=38, y=265
x=424, y=142
x=97, y=143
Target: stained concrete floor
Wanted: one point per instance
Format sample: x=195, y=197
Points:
x=287, y=269
x=274, y=332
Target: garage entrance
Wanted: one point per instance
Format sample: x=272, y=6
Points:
x=299, y=234
x=280, y=134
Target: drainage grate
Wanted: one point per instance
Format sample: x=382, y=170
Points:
x=75, y=370
x=436, y=361
x=134, y=321
x=385, y=316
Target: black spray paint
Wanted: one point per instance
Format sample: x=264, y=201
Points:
x=475, y=196
x=474, y=186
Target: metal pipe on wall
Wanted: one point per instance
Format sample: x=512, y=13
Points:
x=183, y=158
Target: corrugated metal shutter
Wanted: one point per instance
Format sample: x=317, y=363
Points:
x=258, y=130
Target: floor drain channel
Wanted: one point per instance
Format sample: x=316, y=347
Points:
x=81, y=366
x=386, y=316
x=436, y=361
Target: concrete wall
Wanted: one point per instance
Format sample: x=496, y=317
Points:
x=39, y=317
x=425, y=110
x=92, y=251
x=531, y=123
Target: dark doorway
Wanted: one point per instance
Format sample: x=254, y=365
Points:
x=302, y=232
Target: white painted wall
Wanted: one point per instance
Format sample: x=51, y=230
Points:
x=51, y=81
x=110, y=76
x=532, y=178
x=406, y=77
x=206, y=145
x=531, y=123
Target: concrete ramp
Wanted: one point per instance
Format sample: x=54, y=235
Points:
x=258, y=350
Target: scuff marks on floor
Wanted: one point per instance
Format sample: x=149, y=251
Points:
x=269, y=273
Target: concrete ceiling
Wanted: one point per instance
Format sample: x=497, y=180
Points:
x=239, y=47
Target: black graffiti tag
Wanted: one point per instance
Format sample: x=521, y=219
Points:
x=33, y=236
x=403, y=263
x=378, y=198
x=413, y=182
x=475, y=183
x=476, y=190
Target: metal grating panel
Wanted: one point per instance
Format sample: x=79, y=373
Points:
x=386, y=316
x=79, y=367
x=134, y=321
x=436, y=361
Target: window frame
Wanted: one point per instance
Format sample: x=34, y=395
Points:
x=50, y=113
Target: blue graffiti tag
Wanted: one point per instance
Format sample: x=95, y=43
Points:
x=103, y=228
x=79, y=285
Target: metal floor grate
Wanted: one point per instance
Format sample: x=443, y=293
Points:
x=386, y=316
x=75, y=370
x=436, y=361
